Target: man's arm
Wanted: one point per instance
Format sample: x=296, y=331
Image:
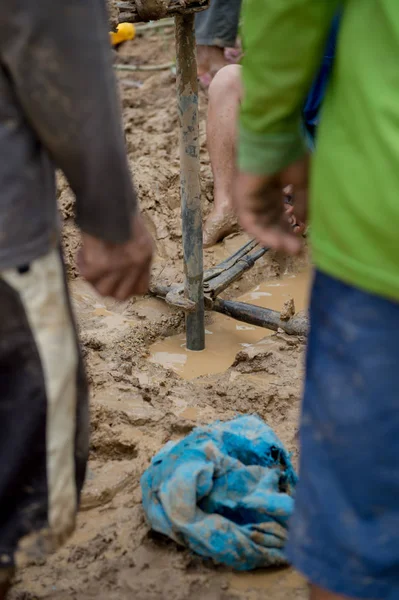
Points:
x=284, y=41
x=57, y=54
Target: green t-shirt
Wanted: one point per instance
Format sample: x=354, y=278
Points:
x=354, y=207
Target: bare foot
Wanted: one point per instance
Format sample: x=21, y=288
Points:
x=220, y=223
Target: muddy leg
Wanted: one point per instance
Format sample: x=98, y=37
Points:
x=224, y=101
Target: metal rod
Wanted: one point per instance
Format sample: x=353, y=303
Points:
x=218, y=284
x=229, y=262
x=262, y=317
x=245, y=249
x=187, y=96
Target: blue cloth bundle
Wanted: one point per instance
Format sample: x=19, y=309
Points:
x=225, y=491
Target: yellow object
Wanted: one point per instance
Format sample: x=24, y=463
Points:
x=123, y=33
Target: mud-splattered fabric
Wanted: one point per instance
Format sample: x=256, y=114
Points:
x=225, y=491
x=43, y=413
x=344, y=533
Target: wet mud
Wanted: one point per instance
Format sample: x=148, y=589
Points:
x=147, y=389
x=225, y=337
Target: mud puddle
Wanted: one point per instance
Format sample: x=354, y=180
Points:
x=225, y=337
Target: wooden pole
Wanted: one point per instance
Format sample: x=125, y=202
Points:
x=262, y=317
x=137, y=11
x=187, y=98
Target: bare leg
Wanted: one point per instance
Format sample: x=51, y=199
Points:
x=210, y=59
x=317, y=593
x=224, y=101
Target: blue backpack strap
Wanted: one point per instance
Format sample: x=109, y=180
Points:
x=317, y=91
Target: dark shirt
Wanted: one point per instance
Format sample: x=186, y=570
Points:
x=58, y=108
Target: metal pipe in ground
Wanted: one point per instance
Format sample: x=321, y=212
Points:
x=187, y=98
x=262, y=317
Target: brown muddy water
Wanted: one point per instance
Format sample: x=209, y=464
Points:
x=225, y=337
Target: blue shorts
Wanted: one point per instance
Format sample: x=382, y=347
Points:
x=344, y=536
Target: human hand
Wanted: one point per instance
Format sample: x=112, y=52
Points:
x=299, y=227
x=260, y=206
x=118, y=270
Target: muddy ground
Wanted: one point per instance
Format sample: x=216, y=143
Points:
x=138, y=405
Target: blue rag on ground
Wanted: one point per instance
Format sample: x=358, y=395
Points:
x=225, y=491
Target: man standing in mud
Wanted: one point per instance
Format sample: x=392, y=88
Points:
x=58, y=107
x=344, y=535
